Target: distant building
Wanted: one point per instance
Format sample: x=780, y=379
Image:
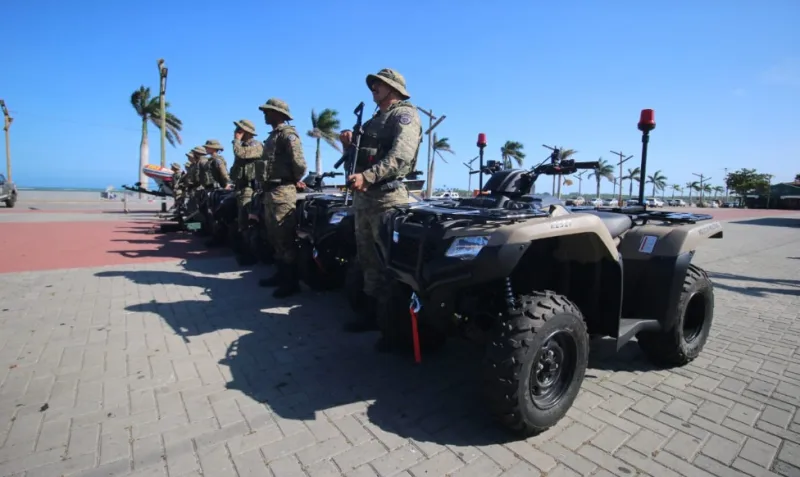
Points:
x=785, y=195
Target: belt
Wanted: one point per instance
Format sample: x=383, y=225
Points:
x=273, y=183
x=386, y=185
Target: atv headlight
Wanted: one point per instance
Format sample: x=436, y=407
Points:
x=467, y=247
x=337, y=217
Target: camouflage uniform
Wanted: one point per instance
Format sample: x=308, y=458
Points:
x=243, y=172
x=282, y=167
x=195, y=178
x=389, y=146
x=177, y=187
x=217, y=166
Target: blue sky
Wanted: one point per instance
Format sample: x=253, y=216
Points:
x=722, y=76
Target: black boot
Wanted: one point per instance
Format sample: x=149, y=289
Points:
x=244, y=257
x=365, y=319
x=289, y=284
x=274, y=280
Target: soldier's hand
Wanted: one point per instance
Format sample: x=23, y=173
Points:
x=300, y=185
x=238, y=135
x=346, y=137
x=356, y=182
x=229, y=187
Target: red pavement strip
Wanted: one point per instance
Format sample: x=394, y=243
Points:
x=33, y=246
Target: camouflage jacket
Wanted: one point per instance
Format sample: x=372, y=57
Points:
x=245, y=156
x=283, y=163
x=218, y=168
x=190, y=178
x=391, y=140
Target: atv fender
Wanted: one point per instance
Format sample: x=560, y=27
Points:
x=656, y=259
x=569, y=229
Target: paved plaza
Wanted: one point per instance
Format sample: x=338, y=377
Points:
x=176, y=364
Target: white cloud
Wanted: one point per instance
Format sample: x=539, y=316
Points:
x=786, y=73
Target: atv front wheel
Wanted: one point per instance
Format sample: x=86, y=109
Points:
x=684, y=342
x=535, y=362
x=11, y=201
x=354, y=286
x=310, y=272
x=394, y=320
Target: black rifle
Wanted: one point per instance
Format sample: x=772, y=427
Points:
x=350, y=157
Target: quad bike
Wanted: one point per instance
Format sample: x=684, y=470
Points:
x=535, y=283
x=324, y=247
x=223, y=217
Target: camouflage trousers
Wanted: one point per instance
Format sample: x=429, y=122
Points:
x=368, y=215
x=243, y=198
x=280, y=206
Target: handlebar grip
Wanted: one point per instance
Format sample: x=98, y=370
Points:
x=587, y=165
x=337, y=174
x=339, y=163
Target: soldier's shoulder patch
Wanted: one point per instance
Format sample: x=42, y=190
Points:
x=291, y=137
x=404, y=118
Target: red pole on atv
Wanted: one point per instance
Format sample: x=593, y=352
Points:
x=647, y=122
x=481, y=145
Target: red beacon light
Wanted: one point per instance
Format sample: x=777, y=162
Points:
x=647, y=120
x=481, y=140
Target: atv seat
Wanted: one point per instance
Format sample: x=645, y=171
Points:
x=617, y=224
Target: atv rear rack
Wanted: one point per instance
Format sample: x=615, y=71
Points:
x=639, y=213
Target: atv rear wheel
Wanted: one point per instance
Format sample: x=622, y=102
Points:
x=310, y=272
x=535, y=362
x=684, y=342
x=12, y=200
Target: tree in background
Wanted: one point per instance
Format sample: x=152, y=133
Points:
x=745, y=181
x=676, y=188
x=512, y=150
x=658, y=180
x=324, y=127
x=632, y=175
x=149, y=110
x=603, y=169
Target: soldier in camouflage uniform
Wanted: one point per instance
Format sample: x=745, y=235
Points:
x=194, y=183
x=246, y=152
x=177, y=186
x=217, y=166
x=389, y=146
x=282, y=168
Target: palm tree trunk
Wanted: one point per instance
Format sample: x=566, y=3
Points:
x=144, y=156
x=654, y=189
x=319, y=159
x=673, y=193
x=598, y=187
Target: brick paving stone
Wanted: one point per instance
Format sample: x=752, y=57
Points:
x=184, y=368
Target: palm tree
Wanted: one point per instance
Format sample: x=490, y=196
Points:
x=149, y=110
x=325, y=126
x=603, y=169
x=512, y=150
x=718, y=190
x=562, y=155
x=675, y=188
x=692, y=186
x=442, y=145
x=706, y=189
x=632, y=175
x=658, y=180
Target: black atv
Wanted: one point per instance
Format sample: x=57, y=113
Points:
x=535, y=282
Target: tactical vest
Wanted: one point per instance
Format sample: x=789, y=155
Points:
x=216, y=164
x=269, y=169
x=205, y=176
x=374, y=146
x=244, y=170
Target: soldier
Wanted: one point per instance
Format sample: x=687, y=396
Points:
x=177, y=186
x=282, y=168
x=217, y=166
x=246, y=152
x=389, y=146
x=194, y=181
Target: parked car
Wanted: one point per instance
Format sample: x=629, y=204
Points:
x=8, y=192
x=598, y=202
x=655, y=202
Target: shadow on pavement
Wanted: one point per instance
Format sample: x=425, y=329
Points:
x=292, y=356
x=771, y=221
x=179, y=245
x=719, y=280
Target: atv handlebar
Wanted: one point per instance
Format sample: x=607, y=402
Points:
x=587, y=165
x=565, y=167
